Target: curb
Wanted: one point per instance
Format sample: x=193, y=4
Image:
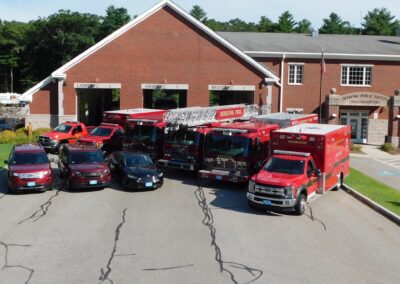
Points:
x=372, y=204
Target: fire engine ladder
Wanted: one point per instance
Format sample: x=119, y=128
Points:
x=196, y=116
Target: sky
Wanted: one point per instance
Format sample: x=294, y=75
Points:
x=247, y=10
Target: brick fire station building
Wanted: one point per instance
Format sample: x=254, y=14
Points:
x=165, y=58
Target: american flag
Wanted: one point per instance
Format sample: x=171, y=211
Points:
x=323, y=66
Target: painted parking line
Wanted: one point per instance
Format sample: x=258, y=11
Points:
x=393, y=163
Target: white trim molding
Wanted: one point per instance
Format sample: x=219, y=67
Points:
x=151, y=86
x=97, y=85
x=231, y=88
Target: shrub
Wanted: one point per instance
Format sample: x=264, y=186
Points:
x=387, y=147
x=7, y=136
x=355, y=147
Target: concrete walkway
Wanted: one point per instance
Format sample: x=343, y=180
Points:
x=378, y=164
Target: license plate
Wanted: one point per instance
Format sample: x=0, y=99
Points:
x=267, y=202
x=93, y=182
x=148, y=184
x=31, y=183
x=218, y=177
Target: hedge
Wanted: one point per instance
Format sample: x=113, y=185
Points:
x=20, y=136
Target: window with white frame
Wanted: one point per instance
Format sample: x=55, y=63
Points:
x=296, y=71
x=357, y=75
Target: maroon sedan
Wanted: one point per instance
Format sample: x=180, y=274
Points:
x=83, y=167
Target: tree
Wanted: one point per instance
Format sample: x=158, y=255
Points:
x=335, y=25
x=265, y=25
x=12, y=41
x=237, y=25
x=303, y=27
x=114, y=19
x=380, y=22
x=199, y=13
x=286, y=23
x=57, y=39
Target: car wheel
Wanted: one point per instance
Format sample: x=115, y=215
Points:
x=300, y=206
x=339, y=183
x=67, y=184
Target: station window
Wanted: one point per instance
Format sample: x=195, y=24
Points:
x=356, y=75
x=296, y=73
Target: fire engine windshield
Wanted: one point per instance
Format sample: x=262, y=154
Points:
x=142, y=133
x=63, y=128
x=234, y=146
x=278, y=165
x=182, y=137
x=101, y=131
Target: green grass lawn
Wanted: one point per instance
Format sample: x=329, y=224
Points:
x=4, y=151
x=382, y=194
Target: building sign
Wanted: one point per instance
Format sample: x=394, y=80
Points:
x=97, y=85
x=230, y=113
x=359, y=99
x=231, y=88
x=165, y=86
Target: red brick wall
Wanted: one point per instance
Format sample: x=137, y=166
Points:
x=164, y=48
x=45, y=101
x=306, y=96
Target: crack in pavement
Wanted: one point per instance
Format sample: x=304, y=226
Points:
x=105, y=273
x=312, y=218
x=42, y=211
x=208, y=221
x=167, y=268
x=7, y=266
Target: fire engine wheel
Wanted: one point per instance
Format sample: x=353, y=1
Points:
x=300, y=206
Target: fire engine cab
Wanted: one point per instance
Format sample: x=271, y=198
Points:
x=232, y=150
x=306, y=159
x=186, y=129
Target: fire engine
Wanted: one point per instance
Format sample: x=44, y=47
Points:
x=121, y=116
x=187, y=128
x=307, y=159
x=232, y=150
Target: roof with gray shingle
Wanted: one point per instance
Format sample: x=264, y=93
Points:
x=256, y=44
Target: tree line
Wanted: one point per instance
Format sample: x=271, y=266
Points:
x=30, y=51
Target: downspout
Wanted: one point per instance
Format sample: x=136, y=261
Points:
x=282, y=82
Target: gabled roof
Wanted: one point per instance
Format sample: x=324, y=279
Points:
x=60, y=72
x=358, y=47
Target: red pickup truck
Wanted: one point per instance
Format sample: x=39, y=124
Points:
x=107, y=137
x=65, y=133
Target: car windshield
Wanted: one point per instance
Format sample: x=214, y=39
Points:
x=101, y=131
x=63, y=128
x=278, y=165
x=233, y=146
x=86, y=157
x=29, y=158
x=142, y=133
x=138, y=161
x=182, y=137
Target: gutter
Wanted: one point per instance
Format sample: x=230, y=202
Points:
x=281, y=82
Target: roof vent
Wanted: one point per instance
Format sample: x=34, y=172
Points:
x=315, y=33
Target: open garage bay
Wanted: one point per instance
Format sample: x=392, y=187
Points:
x=183, y=233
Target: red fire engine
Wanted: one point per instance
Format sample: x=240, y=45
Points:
x=307, y=159
x=232, y=150
x=187, y=128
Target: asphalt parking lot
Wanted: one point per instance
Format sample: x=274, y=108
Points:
x=183, y=233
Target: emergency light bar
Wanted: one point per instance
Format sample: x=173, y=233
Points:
x=233, y=130
x=143, y=120
x=293, y=153
x=109, y=124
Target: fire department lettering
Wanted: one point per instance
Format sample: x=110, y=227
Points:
x=230, y=113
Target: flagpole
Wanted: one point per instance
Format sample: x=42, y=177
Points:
x=320, y=86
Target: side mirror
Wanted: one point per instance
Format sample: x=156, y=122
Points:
x=51, y=160
x=259, y=165
x=317, y=173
